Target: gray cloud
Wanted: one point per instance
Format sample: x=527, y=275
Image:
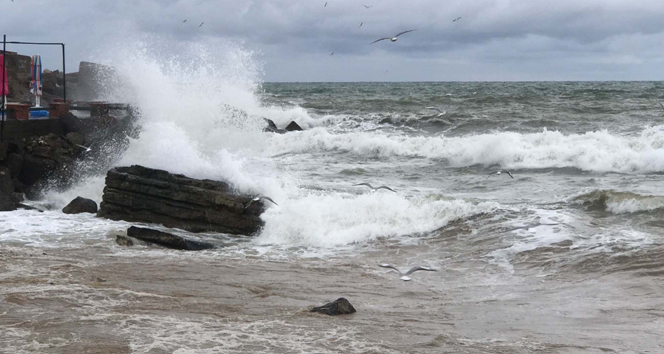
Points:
x=494, y=40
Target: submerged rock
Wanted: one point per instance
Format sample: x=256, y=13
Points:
x=340, y=306
x=167, y=240
x=124, y=241
x=143, y=194
x=80, y=205
x=292, y=126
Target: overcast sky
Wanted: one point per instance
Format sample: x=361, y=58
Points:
x=293, y=39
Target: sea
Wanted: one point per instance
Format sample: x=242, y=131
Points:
x=565, y=254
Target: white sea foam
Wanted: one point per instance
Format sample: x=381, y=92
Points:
x=599, y=151
x=328, y=220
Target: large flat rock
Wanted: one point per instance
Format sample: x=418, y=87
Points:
x=142, y=194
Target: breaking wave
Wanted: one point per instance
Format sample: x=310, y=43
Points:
x=619, y=202
x=598, y=151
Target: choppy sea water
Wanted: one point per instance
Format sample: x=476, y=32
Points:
x=564, y=257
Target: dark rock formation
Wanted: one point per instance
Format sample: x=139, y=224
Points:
x=6, y=184
x=80, y=205
x=124, y=241
x=271, y=127
x=14, y=162
x=292, y=126
x=8, y=202
x=143, y=194
x=167, y=240
x=340, y=306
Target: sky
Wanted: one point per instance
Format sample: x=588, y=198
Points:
x=292, y=40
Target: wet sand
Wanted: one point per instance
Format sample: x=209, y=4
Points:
x=108, y=299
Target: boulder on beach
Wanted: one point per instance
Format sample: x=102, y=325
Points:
x=142, y=194
x=8, y=202
x=80, y=205
x=167, y=240
x=340, y=306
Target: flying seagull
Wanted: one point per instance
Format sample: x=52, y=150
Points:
x=497, y=173
x=361, y=23
x=405, y=276
x=257, y=199
x=325, y=4
x=456, y=19
x=87, y=149
x=440, y=111
x=184, y=21
x=365, y=6
x=332, y=53
x=201, y=24
x=375, y=189
x=393, y=39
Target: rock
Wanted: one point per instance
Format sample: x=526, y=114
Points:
x=167, y=240
x=340, y=306
x=80, y=205
x=6, y=184
x=35, y=168
x=7, y=202
x=76, y=138
x=292, y=126
x=14, y=162
x=4, y=147
x=143, y=194
x=124, y=241
x=271, y=127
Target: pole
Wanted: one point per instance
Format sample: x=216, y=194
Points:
x=64, y=75
x=4, y=79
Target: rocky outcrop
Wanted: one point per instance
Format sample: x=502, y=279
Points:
x=292, y=126
x=340, y=306
x=143, y=194
x=8, y=202
x=167, y=240
x=80, y=205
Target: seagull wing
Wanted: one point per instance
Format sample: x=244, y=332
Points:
x=415, y=269
x=390, y=266
x=268, y=198
x=403, y=33
x=508, y=172
x=386, y=187
x=364, y=184
x=248, y=204
x=378, y=40
x=490, y=174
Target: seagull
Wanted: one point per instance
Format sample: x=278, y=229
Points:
x=405, y=276
x=184, y=21
x=365, y=6
x=257, y=199
x=456, y=19
x=332, y=53
x=361, y=23
x=375, y=189
x=87, y=149
x=497, y=173
x=325, y=5
x=201, y=24
x=393, y=39
x=440, y=111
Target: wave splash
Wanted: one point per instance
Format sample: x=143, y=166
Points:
x=598, y=151
x=619, y=202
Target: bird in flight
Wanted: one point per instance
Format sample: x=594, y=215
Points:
x=184, y=21
x=365, y=6
x=393, y=39
x=440, y=111
x=361, y=23
x=456, y=19
x=332, y=53
x=498, y=173
x=375, y=189
x=87, y=149
x=405, y=276
x=325, y=5
x=201, y=24
x=257, y=199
